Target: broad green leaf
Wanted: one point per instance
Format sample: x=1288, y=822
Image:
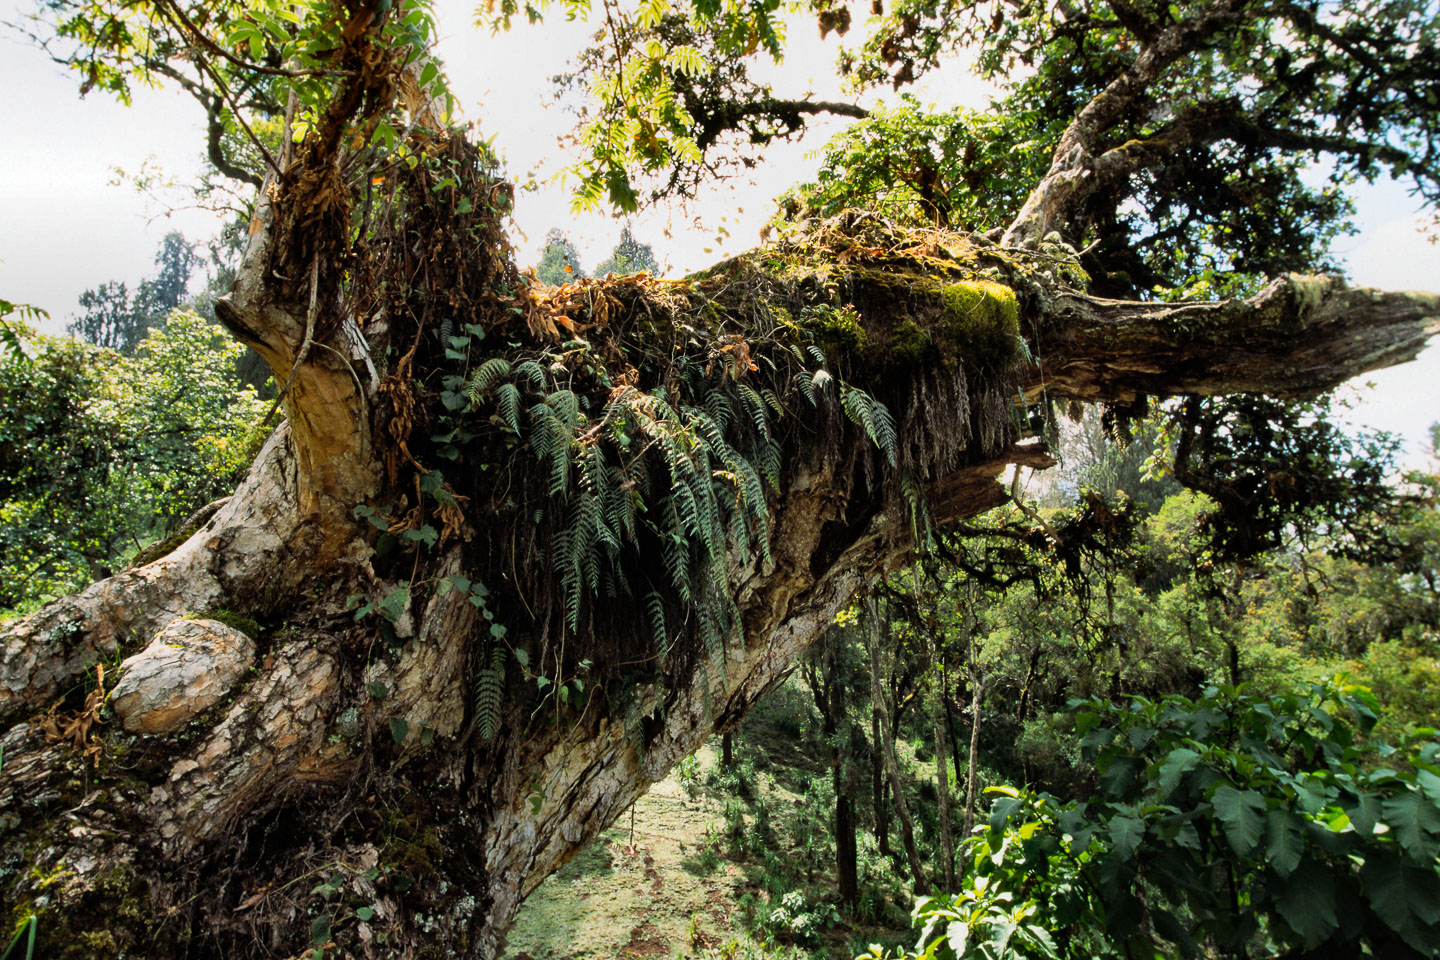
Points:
x=1001, y=811
x=1180, y=761
x=1284, y=843
x=1125, y=835
x=1404, y=895
x=956, y=934
x=1415, y=821
x=399, y=729
x=1364, y=814
x=1120, y=776
x=1429, y=785
x=1307, y=902
x=1000, y=934
x=1138, y=737
x=1243, y=814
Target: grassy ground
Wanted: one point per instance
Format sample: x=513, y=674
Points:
x=721, y=865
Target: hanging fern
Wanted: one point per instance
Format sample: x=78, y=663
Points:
x=756, y=407
x=489, y=687
x=921, y=529
x=806, y=386
x=691, y=463
x=867, y=412
x=655, y=610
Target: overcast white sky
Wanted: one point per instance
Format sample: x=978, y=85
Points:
x=64, y=228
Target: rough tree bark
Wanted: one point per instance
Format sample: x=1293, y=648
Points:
x=344, y=791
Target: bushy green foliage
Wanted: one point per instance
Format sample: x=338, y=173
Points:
x=101, y=453
x=118, y=320
x=1251, y=825
x=957, y=168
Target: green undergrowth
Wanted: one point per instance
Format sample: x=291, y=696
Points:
x=725, y=864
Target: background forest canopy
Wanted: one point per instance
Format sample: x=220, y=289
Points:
x=526, y=537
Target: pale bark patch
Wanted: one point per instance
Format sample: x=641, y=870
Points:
x=187, y=668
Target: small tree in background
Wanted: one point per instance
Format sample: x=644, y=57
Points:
x=629, y=256
x=559, y=263
x=115, y=319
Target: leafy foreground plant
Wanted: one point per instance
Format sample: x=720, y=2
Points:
x=1227, y=826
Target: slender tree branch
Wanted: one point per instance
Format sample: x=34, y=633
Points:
x=1071, y=177
x=188, y=27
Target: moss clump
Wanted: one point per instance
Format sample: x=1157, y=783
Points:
x=908, y=342
x=980, y=310
x=970, y=321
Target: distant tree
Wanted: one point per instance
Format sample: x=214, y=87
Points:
x=1107, y=454
x=115, y=319
x=629, y=256
x=559, y=263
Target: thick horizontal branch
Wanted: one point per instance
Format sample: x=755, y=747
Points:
x=1300, y=335
x=973, y=489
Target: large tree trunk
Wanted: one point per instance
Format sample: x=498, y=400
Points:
x=398, y=783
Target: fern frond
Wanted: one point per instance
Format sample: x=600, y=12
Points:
x=867, y=412
x=921, y=529
x=1023, y=349
x=489, y=687
x=566, y=405
x=543, y=432
x=755, y=405
x=655, y=610
x=675, y=546
x=620, y=510
x=886, y=436
x=532, y=370
x=552, y=440
x=717, y=405
x=768, y=460
x=491, y=371
x=507, y=400
x=807, y=387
